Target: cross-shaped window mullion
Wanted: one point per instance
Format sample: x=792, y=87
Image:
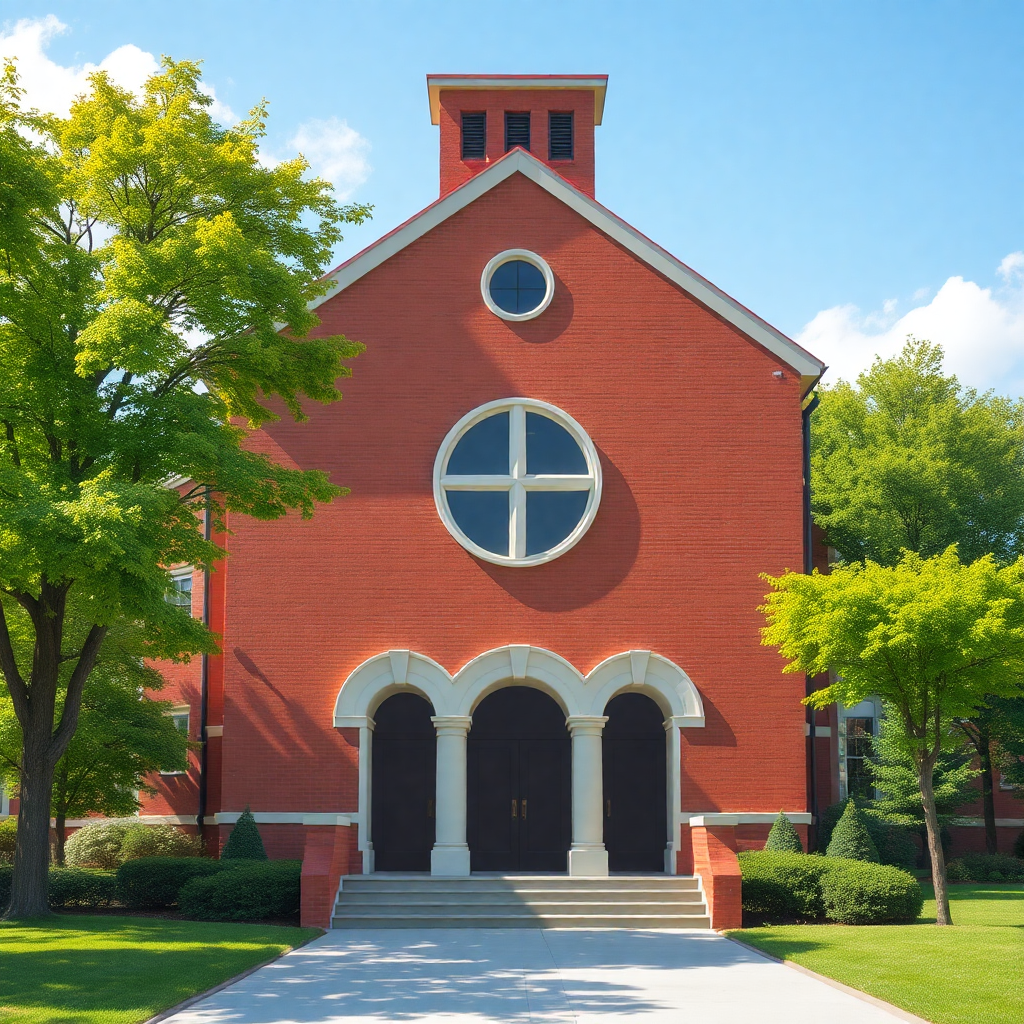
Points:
x=517, y=492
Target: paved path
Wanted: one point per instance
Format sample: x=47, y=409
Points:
x=475, y=976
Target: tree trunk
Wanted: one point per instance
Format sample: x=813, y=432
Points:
x=988, y=802
x=60, y=828
x=931, y=821
x=29, y=883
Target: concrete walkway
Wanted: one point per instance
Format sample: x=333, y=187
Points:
x=523, y=975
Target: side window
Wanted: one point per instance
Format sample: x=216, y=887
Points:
x=180, y=717
x=859, y=734
x=180, y=592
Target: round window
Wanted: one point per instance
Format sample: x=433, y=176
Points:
x=517, y=285
x=517, y=482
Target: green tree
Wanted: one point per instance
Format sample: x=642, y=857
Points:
x=245, y=841
x=907, y=458
x=123, y=736
x=783, y=836
x=930, y=636
x=996, y=732
x=850, y=837
x=147, y=261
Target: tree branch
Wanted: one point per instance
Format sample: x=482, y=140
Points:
x=73, y=699
x=9, y=667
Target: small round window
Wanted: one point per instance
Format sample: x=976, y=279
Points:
x=517, y=482
x=517, y=285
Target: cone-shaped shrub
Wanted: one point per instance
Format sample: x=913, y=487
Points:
x=783, y=838
x=245, y=842
x=851, y=838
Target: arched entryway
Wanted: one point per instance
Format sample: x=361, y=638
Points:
x=404, y=764
x=519, y=783
x=635, y=804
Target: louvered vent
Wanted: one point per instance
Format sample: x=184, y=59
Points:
x=560, y=136
x=517, y=129
x=474, y=136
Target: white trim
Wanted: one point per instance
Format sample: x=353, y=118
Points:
x=526, y=257
x=143, y=819
x=580, y=83
x=980, y=822
x=698, y=818
x=213, y=731
x=517, y=482
x=519, y=161
x=282, y=818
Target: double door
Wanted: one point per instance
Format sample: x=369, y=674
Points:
x=520, y=804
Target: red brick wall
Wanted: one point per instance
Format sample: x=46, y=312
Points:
x=701, y=451
x=455, y=171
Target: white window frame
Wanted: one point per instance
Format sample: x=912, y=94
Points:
x=182, y=573
x=180, y=709
x=517, y=482
x=527, y=257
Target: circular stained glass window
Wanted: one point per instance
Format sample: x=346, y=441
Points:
x=517, y=285
x=517, y=482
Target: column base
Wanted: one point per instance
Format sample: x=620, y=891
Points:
x=450, y=861
x=589, y=860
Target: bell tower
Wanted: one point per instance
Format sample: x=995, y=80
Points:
x=482, y=117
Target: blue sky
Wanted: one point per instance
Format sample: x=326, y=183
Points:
x=850, y=171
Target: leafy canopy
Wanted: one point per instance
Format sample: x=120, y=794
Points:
x=908, y=458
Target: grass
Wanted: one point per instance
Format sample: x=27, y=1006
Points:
x=968, y=974
x=70, y=969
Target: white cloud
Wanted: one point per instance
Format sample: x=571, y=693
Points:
x=51, y=87
x=335, y=152
x=981, y=330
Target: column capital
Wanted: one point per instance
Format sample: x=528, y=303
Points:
x=586, y=725
x=452, y=724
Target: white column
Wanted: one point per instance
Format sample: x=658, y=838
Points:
x=674, y=765
x=587, y=856
x=365, y=793
x=450, y=855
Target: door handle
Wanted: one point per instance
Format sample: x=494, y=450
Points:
x=524, y=808
x=430, y=808
x=513, y=807
x=607, y=808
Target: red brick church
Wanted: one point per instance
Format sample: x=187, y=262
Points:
x=528, y=640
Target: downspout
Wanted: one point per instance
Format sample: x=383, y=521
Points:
x=204, y=679
x=808, y=568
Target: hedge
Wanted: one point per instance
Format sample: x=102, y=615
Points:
x=786, y=885
x=153, y=883
x=1018, y=845
x=985, y=867
x=248, y=891
x=69, y=887
x=159, y=841
x=860, y=892
x=8, y=839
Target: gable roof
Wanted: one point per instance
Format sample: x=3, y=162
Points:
x=518, y=161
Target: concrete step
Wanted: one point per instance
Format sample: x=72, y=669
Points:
x=520, y=901
x=524, y=921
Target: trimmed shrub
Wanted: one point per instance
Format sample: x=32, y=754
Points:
x=159, y=841
x=247, y=892
x=1018, y=845
x=850, y=838
x=8, y=839
x=245, y=842
x=99, y=845
x=783, y=837
x=779, y=884
x=76, y=887
x=894, y=843
x=985, y=867
x=153, y=883
x=863, y=893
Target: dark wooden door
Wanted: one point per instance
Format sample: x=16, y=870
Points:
x=520, y=802
x=404, y=768
x=635, y=804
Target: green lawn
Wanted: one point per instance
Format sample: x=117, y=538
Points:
x=121, y=970
x=968, y=974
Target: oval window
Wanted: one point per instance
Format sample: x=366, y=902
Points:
x=517, y=482
x=517, y=285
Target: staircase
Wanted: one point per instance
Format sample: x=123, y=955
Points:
x=519, y=901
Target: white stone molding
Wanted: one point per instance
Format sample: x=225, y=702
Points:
x=527, y=257
x=450, y=855
x=582, y=699
x=587, y=855
x=705, y=818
